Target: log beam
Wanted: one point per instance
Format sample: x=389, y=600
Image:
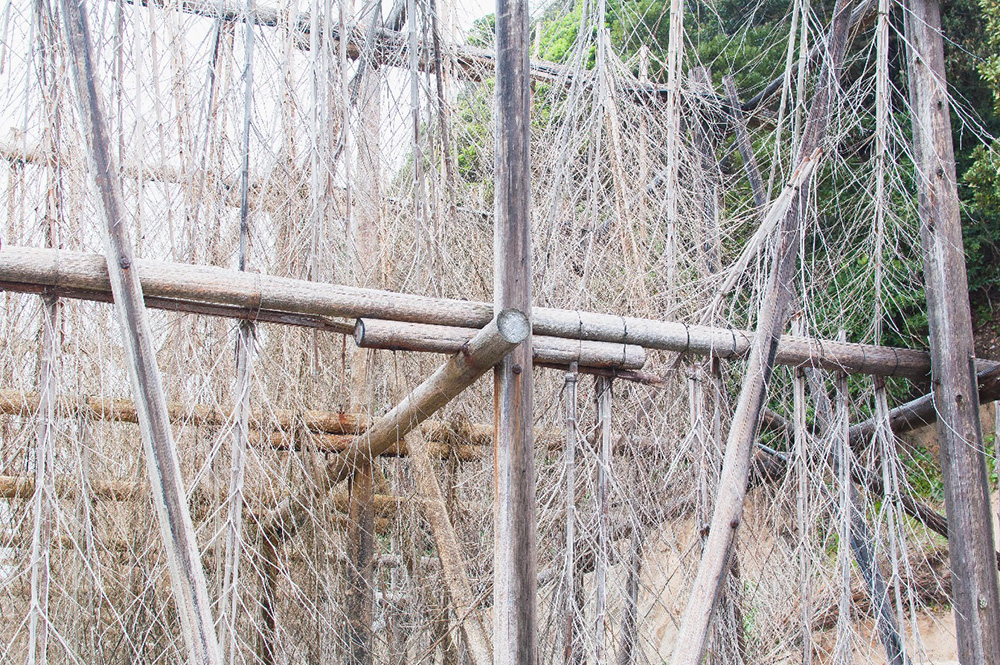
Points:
x=402, y=336
x=217, y=291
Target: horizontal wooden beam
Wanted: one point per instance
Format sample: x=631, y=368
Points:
x=390, y=48
x=404, y=336
x=176, y=285
x=324, y=431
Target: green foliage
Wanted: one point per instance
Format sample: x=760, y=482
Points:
x=982, y=220
x=990, y=67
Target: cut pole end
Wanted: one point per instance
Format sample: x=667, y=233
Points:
x=513, y=325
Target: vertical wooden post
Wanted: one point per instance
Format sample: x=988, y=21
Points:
x=602, y=392
x=515, y=638
x=361, y=547
x=970, y=528
x=179, y=541
x=572, y=652
x=365, y=219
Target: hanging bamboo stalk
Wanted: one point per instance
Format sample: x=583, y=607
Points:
x=81, y=275
x=859, y=536
x=229, y=601
x=176, y=528
x=603, y=396
x=572, y=583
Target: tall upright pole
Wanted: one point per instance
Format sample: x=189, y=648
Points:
x=515, y=638
x=953, y=377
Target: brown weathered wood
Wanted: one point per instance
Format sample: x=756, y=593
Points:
x=25, y=404
x=402, y=336
x=691, y=640
x=222, y=292
x=967, y=501
x=360, y=565
x=515, y=633
x=493, y=342
x=190, y=589
x=449, y=552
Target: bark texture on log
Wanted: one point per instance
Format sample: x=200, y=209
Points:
x=220, y=292
x=963, y=462
x=402, y=336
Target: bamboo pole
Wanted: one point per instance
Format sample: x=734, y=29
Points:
x=515, y=636
x=675, y=57
x=963, y=462
x=603, y=397
x=402, y=336
x=229, y=601
x=44, y=453
x=179, y=540
x=449, y=552
x=261, y=297
x=692, y=636
x=572, y=648
x=459, y=372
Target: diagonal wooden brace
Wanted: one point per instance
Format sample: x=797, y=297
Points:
x=480, y=354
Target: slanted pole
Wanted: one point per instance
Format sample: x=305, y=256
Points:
x=485, y=350
x=515, y=637
x=692, y=637
x=176, y=528
x=963, y=463
x=449, y=552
